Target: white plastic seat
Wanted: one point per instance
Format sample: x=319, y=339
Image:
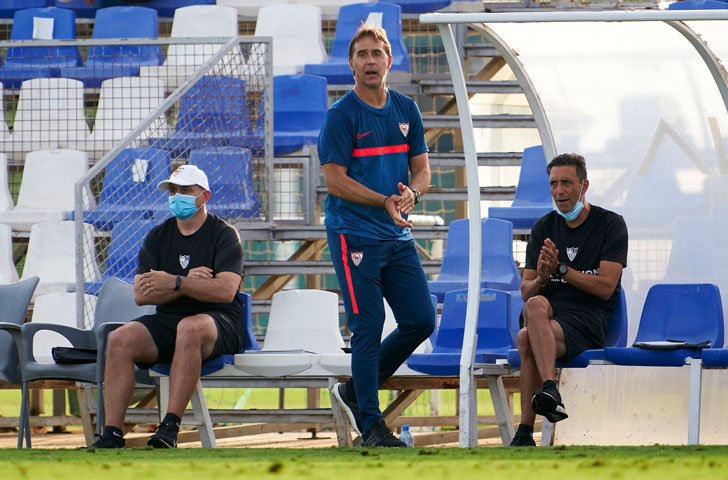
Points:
x=302, y=325
x=250, y=8
x=58, y=309
x=340, y=363
x=52, y=257
x=50, y=114
x=46, y=190
x=6, y=200
x=8, y=273
x=183, y=59
x=4, y=132
x=123, y=103
x=296, y=33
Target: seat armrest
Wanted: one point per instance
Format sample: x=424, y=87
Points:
x=14, y=330
x=101, y=334
x=79, y=338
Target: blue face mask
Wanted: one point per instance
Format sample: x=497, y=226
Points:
x=183, y=206
x=574, y=212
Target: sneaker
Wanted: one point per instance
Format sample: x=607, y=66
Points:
x=108, y=442
x=348, y=405
x=547, y=402
x=523, y=440
x=164, y=437
x=380, y=436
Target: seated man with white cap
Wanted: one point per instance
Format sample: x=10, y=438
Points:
x=190, y=267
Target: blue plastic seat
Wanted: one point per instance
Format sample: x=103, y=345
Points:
x=616, y=336
x=300, y=104
x=212, y=365
x=166, y=8
x=24, y=63
x=81, y=7
x=533, y=194
x=211, y=113
x=230, y=173
x=127, y=237
x=493, y=337
x=126, y=196
x=420, y=6
x=698, y=5
x=112, y=61
x=498, y=269
x=689, y=312
x=9, y=7
x=337, y=70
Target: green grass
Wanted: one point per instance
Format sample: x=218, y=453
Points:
x=655, y=462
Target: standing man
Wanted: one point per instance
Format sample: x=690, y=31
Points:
x=190, y=267
x=371, y=140
x=574, y=262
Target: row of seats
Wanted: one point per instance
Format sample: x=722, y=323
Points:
x=165, y=8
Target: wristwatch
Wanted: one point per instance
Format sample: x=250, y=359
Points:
x=177, y=283
x=418, y=195
x=561, y=270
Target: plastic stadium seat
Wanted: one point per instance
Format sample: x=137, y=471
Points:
x=302, y=324
x=212, y=113
x=689, y=312
x=81, y=7
x=109, y=61
x=166, y=8
x=250, y=8
x=126, y=241
x=46, y=189
x=698, y=5
x=498, y=269
x=533, y=194
x=299, y=108
x=8, y=273
x=130, y=190
x=15, y=299
x=124, y=103
x=230, y=173
x=9, y=7
x=52, y=257
x=6, y=200
x=296, y=33
x=616, y=336
x=337, y=70
x=420, y=6
x=183, y=59
x=50, y=115
x=23, y=63
x=493, y=337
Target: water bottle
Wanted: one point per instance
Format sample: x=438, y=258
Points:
x=406, y=436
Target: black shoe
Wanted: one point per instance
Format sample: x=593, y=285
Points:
x=380, y=436
x=523, y=440
x=108, y=442
x=164, y=437
x=349, y=405
x=547, y=402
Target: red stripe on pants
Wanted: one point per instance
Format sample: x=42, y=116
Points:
x=349, y=284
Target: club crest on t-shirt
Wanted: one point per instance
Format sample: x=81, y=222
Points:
x=184, y=260
x=571, y=252
x=356, y=257
x=404, y=128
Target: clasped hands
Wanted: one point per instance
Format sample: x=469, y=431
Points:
x=548, y=260
x=159, y=281
x=396, y=205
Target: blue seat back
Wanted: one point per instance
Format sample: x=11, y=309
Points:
x=127, y=237
x=64, y=28
x=9, y=7
x=166, y=8
x=125, y=22
x=533, y=181
x=214, y=103
x=350, y=19
x=249, y=341
x=81, y=7
x=119, y=185
x=420, y=6
x=698, y=5
x=497, y=264
x=689, y=312
x=492, y=329
x=299, y=102
x=618, y=326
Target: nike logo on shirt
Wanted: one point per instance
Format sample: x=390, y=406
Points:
x=362, y=135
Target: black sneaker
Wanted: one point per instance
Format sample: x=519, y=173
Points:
x=523, y=440
x=108, y=442
x=164, y=437
x=380, y=436
x=349, y=405
x=547, y=402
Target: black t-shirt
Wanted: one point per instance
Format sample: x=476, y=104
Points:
x=602, y=236
x=215, y=245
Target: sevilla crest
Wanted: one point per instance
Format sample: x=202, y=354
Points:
x=356, y=257
x=404, y=128
x=184, y=260
x=571, y=252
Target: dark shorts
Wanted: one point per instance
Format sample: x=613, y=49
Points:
x=163, y=328
x=582, y=331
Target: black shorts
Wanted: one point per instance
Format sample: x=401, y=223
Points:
x=163, y=328
x=582, y=331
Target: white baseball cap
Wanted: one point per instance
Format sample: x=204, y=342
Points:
x=186, y=175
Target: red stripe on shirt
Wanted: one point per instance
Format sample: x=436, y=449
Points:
x=364, y=152
x=349, y=283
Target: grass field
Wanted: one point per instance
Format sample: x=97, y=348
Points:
x=655, y=462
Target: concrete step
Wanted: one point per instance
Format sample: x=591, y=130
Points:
x=505, y=120
x=312, y=267
x=445, y=87
x=318, y=232
x=490, y=159
x=451, y=193
x=473, y=49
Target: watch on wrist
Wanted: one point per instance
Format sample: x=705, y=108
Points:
x=561, y=270
x=177, y=283
x=418, y=195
